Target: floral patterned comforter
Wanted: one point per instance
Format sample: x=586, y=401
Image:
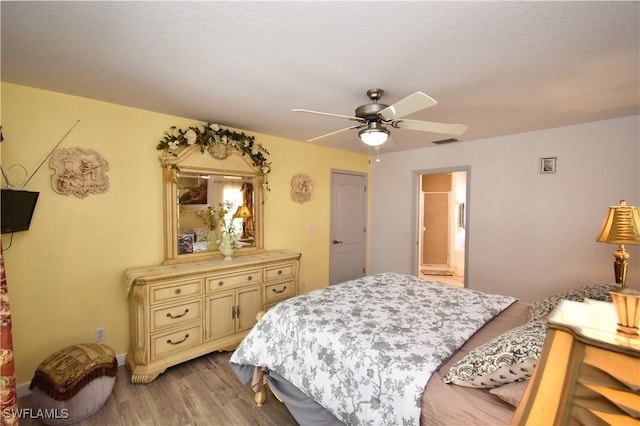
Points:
x=365, y=349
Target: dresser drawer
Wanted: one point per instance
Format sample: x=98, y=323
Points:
x=225, y=282
x=176, y=290
x=616, y=365
x=278, y=291
x=279, y=271
x=169, y=343
x=175, y=315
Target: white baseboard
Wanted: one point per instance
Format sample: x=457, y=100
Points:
x=23, y=388
x=122, y=359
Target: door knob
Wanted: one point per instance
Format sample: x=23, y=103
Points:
x=337, y=242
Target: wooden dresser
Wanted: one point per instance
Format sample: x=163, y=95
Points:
x=179, y=312
x=587, y=375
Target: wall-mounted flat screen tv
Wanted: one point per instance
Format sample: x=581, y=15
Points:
x=17, y=210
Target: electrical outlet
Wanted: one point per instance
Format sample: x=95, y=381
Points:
x=100, y=334
x=303, y=284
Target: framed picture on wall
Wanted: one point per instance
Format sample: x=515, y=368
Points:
x=192, y=190
x=548, y=165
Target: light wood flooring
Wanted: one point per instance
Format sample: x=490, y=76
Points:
x=454, y=280
x=204, y=392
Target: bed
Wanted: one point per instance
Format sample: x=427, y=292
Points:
x=375, y=351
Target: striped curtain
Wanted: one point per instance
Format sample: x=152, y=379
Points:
x=8, y=395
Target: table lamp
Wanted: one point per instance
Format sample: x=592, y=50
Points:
x=621, y=226
x=244, y=213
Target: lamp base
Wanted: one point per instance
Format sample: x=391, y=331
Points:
x=629, y=331
x=244, y=230
x=627, y=303
x=620, y=265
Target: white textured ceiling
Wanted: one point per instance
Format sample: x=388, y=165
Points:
x=499, y=67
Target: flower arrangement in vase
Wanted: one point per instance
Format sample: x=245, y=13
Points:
x=223, y=234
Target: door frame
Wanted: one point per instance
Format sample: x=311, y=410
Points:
x=415, y=255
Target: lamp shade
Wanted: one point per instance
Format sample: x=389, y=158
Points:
x=243, y=212
x=374, y=137
x=375, y=134
x=621, y=226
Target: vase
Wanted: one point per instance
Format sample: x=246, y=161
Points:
x=227, y=247
x=212, y=244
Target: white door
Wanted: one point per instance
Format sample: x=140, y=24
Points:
x=348, y=244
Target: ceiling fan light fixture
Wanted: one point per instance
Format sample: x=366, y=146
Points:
x=374, y=135
x=372, y=117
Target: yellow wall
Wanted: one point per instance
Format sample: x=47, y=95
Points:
x=65, y=273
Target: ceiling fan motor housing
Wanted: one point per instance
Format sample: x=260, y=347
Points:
x=370, y=111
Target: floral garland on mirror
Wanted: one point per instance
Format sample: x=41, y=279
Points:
x=213, y=136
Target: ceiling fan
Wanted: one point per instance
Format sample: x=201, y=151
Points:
x=373, y=117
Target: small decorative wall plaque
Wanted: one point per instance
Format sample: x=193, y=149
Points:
x=548, y=165
x=301, y=187
x=79, y=172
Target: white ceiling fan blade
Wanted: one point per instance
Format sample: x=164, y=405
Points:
x=412, y=103
x=308, y=111
x=334, y=133
x=430, y=126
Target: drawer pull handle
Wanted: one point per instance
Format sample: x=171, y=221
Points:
x=186, y=336
x=249, y=278
x=178, y=291
x=281, y=291
x=220, y=283
x=177, y=316
x=280, y=272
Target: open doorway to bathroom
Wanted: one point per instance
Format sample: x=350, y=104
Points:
x=442, y=205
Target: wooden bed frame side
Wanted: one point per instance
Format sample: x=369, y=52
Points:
x=260, y=396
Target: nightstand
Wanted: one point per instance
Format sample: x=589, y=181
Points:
x=587, y=375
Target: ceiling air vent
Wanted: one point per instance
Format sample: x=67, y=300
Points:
x=445, y=141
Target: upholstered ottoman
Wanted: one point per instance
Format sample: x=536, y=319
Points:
x=74, y=382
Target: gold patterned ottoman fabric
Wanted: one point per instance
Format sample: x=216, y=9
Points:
x=66, y=372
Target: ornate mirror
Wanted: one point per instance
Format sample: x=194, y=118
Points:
x=207, y=188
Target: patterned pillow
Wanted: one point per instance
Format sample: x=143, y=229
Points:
x=507, y=358
x=539, y=309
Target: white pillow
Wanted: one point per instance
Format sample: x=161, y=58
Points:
x=511, y=393
x=542, y=307
x=507, y=358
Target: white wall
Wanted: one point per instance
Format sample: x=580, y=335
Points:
x=530, y=234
